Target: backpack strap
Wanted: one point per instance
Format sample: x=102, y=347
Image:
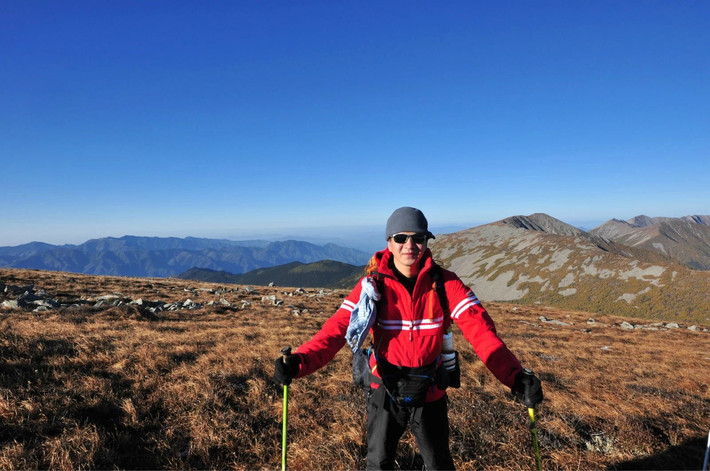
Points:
x=438, y=279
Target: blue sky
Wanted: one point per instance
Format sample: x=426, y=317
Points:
x=241, y=119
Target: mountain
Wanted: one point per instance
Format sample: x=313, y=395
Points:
x=684, y=239
x=540, y=260
x=323, y=274
x=163, y=257
x=543, y=223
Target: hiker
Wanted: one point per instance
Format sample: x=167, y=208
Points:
x=408, y=304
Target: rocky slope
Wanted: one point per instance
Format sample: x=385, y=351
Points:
x=684, y=239
x=539, y=260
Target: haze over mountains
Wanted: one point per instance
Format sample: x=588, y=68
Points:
x=163, y=257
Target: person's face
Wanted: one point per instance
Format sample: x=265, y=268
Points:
x=407, y=251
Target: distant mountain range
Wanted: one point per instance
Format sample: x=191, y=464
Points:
x=164, y=257
x=686, y=239
x=323, y=274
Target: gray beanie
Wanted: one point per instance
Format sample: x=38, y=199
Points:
x=407, y=220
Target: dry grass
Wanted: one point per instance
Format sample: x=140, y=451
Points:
x=93, y=388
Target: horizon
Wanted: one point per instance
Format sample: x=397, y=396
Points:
x=367, y=238
x=224, y=119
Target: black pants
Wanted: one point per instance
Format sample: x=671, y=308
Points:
x=386, y=422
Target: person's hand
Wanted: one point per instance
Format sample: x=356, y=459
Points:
x=286, y=370
x=528, y=387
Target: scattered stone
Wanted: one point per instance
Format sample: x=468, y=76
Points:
x=606, y=348
x=10, y=304
x=627, y=326
x=552, y=321
x=672, y=325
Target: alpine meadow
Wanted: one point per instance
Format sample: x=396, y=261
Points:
x=117, y=372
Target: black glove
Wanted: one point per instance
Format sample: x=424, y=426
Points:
x=528, y=387
x=285, y=371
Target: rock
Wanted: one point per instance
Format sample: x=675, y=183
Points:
x=672, y=325
x=10, y=304
x=627, y=326
x=552, y=321
x=46, y=303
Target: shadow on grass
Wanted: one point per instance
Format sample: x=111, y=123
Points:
x=687, y=455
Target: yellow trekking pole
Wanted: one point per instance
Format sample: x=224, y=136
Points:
x=286, y=351
x=533, y=432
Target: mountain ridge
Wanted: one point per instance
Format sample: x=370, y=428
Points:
x=162, y=257
x=321, y=274
x=685, y=239
x=513, y=263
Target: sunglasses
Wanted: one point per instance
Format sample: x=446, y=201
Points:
x=418, y=239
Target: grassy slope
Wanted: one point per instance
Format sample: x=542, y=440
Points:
x=105, y=388
x=326, y=273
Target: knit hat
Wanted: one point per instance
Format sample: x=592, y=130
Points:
x=407, y=220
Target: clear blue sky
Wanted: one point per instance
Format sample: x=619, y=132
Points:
x=240, y=118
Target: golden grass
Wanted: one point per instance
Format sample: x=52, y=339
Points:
x=90, y=388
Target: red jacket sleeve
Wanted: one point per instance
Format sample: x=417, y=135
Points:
x=323, y=346
x=478, y=328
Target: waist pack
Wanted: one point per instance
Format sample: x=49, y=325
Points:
x=407, y=386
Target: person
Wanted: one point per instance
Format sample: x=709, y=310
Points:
x=408, y=332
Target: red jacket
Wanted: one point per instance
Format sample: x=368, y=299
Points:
x=409, y=328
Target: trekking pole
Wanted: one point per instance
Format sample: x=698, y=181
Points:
x=533, y=432
x=707, y=454
x=286, y=351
